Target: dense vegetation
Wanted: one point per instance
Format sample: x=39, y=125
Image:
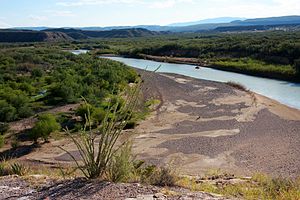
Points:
x=35, y=79
x=272, y=54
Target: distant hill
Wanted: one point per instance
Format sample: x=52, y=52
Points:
x=116, y=33
x=109, y=28
x=59, y=34
x=284, y=27
x=286, y=20
x=37, y=28
x=216, y=24
x=31, y=36
x=210, y=24
x=209, y=21
x=294, y=19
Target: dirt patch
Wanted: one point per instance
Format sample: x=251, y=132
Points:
x=28, y=123
x=13, y=187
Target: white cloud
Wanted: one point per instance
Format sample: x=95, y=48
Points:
x=96, y=2
x=37, y=17
x=60, y=13
x=168, y=3
x=4, y=24
x=148, y=3
x=288, y=7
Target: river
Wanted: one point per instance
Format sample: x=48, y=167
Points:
x=287, y=93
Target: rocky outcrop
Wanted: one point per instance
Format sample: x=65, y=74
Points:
x=32, y=36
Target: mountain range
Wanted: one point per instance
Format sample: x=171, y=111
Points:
x=209, y=21
x=227, y=24
x=196, y=26
x=61, y=34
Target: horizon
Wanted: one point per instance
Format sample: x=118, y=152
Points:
x=103, y=13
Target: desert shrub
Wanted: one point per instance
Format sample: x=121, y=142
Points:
x=37, y=72
x=98, y=154
x=237, y=86
x=4, y=127
x=10, y=169
x=66, y=92
x=7, y=112
x=46, y=124
x=24, y=111
x=84, y=110
x=96, y=114
x=131, y=124
x=4, y=171
x=260, y=186
x=144, y=173
x=2, y=141
x=18, y=169
x=29, y=89
x=121, y=166
x=153, y=175
x=297, y=66
x=15, y=143
x=163, y=176
x=57, y=78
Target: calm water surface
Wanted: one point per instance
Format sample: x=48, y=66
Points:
x=79, y=51
x=285, y=92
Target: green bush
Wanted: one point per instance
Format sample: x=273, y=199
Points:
x=18, y=169
x=37, y=72
x=7, y=112
x=96, y=163
x=4, y=171
x=15, y=143
x=96, y=114
x=11, y=169
x=237, y=86
x=57, y=78
x=4, y=127
x=131, y=124
x=121, y=166
x=163, y=177
x=2, y=141
x=44, y=127
x=297, y=66
x=24, y=111
x=84, y=110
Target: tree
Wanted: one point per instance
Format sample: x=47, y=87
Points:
x=37, y=72
x=4, y=127
x=7, y=112
x=96, y=114
x=297, y=66
x=44, y=127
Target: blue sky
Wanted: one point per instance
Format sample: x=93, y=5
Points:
x=76, y=13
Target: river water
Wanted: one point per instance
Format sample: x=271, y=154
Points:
x=285, y=92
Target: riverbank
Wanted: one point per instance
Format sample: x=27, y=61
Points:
x=203, y=125
x=230, y=68
x=198, y=127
